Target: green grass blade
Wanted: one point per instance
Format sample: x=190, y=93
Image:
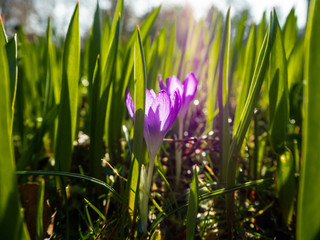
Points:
x=286, y=186
x=139, y=102
x=222, y=96
x=69, y=95
x=261, y=33
x=105, y=39
x=94, y=208
x=253, y=95
x=169, y=56
x=278, y=92
x=3, y=35
x=193, y=205
x=36, y=144
x=39, y=216
x=95, y=44
x=11, y=220
x=96, y=181
x=290, y=32
x=48, y=96
x=308, y=216
x=213, y=77
x=12, y=55
x=117, y=13
x=246, y=76
x=101, y=91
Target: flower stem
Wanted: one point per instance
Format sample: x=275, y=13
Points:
x=150, y=173
x=179, y=153
x=144, y=198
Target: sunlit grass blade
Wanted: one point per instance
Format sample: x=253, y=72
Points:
x=278, y=92
x=169, y=57
x=246, y=76
x=236, y=49
x=253, y=95
x=260, y=149
x=11, y=220
x=261, y=29
x=213, y=77
x=308, y=216
x=193, y=205
x=152, y=60
x=69, y=95
x=295, y=82
x=3, y=35
x=286, y=185
x=117, y=13
x=228, y=167
x=105, y=39
x=139, y=102
x=290, y=32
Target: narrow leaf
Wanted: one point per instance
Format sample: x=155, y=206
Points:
x=11, y=220
x=286, y=186
x=193, y=203
x=278, y=92
x=308, y=216
x=69, y=95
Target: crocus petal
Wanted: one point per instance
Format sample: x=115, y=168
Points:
x=162, y=106
x=129, y=103
x=190, y=86
x=189, y=91
x=173, y=84
x=152, y=133
x=161, y=85
x=150, y=96
x=175, y=107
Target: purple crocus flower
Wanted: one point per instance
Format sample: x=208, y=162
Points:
x=187, y=90
x=160, y=113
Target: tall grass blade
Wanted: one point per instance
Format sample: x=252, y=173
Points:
x=290, y=33
x=12, y=56
x=101, y=85
x=69, y=95
x=193, y=205
x=222, y=96
x=94, y=47
x=255, y=87
x=308, y=217
x=139, y=102
x=278, y=92
x=3, y=35
x=11, y=220
x=286, y=186
x=169, y=57
x=213, y=77
x=39, y=216
x=246, y=76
